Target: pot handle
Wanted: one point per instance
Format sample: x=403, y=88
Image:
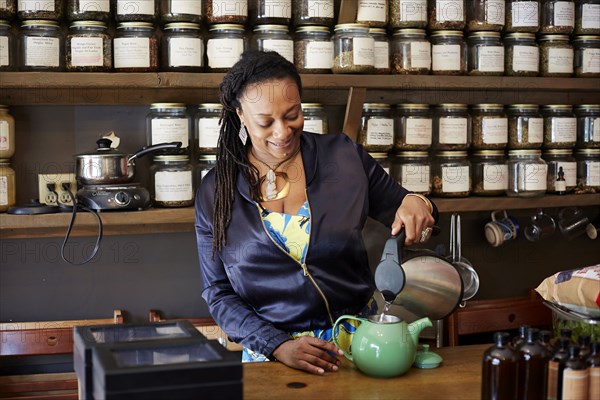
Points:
x=153, y=148
x=334, y=335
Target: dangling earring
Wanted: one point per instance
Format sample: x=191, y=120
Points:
x=243, y=134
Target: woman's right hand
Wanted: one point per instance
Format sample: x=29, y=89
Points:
x=309, y=354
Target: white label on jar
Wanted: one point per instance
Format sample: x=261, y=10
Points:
x=380, y=131
x=590, y=16
x=590, y=61
x=278, y=8
x=320, y=8
x=495, y=177
x=132, y=52
x=3, y=190
x=313, y=125
x=319, y=55
x=382, y=55
x=4, y=50
x=525, y=13
x=193, y=7
x=570, y=170
x=455, y=179
x=495, y=12
x=185, y=52
x=563, y=129
x=4, y=136
x=126, y=7
x=372, y=10
x=420, y=55
x=491, y=59
x=208, y=132
x=564, y=13
x=535, y=130
x=36, y=5
x=87, y=51
x=42, y=51
x=560, y=60
x=223, y=53
x=494, y=130
x=223, y=8
x=173, y=186
x=3, y=4
x=415, y=177
x=418, y=130
x=526, y=58
x=453, y=130
x=535, y=177
x=596, y=130
x=94, y=5
x=282, y=46
x=449, y=10
x=593, y=177
x=363, y=51
x=165, y=130
x=413, y=10
x=446, y=57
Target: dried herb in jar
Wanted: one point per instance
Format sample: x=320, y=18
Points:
x=8, y=9
x=408, y=14
x=313, y=12
x=446, y=14
x=556, y=56
x=51, y=10
x=216, y=14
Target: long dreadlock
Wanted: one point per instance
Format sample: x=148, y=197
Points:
x=253, y=67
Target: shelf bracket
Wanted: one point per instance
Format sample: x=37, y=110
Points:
x=356, y=99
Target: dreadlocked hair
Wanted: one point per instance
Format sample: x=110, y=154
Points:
x=232, y=157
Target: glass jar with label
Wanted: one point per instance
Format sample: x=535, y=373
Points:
x=135, y=10
x=489, y=127
x=88, y=47
x=313, y=12
x=8, y=10
x=383, y=160
x=313, y=50
x=315, y=118
x=41, y=46
x=521, y=55
x=560, y=161
x=181, y=11
x=451, y=174
x=448, y=53
x=207, y=127
x=7, y=133
x=588, y=125
x=135, y=47
x=560, y=126
x=381, y=51
x=588, y=170
x=227, y=12
x=556, y=56
x=410, y=52
x=263, y=12
x=557, y=16
x=490, y=172
x=205, y=163
x=587, y=56
x=486, y=54
x=413, y=127
x=225, y=45
x=182, y=48
x=274, y=38
x=527, y=173
x=376, y=128
x=8, y=192
x=372, y=13
x=522, y=16
x=7, y=47
x=353, y=49
x=525, y=126
x=408, y=14
x=172, y=181
x=88, y=10
x=451, y=127
x=486, y=15
x=412, y=171
x=41, y=10
x=587, y=17
x=446, y=14
x=168, y=122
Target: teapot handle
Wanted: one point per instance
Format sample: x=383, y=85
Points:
x=347, y=353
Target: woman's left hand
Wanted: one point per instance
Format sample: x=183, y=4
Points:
x=415, y=216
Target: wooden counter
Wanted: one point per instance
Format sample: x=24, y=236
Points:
x=459, y=377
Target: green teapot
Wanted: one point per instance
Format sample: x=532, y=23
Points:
x=383, y=346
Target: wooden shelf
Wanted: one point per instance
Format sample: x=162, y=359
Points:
x=182, y=219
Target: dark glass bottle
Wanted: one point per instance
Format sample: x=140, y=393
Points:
x=567, y=333
x=545, y=339
x=584, y=342
x=532, y=377
x=560, y=184
x=556, y=365
x=521, y=336
x=593, y=362
x=575, y=382
x=499, y=370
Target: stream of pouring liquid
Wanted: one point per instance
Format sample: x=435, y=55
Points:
x=386, y=309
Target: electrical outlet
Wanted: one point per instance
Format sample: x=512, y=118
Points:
x=62, y=196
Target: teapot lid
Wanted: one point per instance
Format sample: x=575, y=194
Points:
x=427, y=359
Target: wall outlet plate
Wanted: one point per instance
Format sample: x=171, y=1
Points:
x=62, y=196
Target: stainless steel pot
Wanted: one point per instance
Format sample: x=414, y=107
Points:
x=108, y=166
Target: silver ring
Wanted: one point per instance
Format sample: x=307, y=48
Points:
x=426, y=234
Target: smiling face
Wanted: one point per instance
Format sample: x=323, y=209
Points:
x=272, y=114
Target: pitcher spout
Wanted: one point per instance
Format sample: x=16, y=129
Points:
x=415, y=328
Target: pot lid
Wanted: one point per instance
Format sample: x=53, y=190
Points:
x=427, y=359
x=104, y=148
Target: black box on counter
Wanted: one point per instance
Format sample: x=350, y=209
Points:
x=174, y=369
x=87, y=337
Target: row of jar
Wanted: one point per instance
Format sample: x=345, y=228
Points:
x=523, y=173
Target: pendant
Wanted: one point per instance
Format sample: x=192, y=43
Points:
x=271, y=186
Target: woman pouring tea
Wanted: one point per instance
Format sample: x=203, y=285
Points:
x=279, y=221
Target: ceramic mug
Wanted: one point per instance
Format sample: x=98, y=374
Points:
x=501, y=229
x=541, y=225
x=572, y=222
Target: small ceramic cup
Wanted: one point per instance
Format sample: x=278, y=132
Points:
x=501, y=228
x=572, y=222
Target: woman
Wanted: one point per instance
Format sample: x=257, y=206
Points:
x=279, y=220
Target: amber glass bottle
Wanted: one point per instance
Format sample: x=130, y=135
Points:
x=499, y=370
x=532, y=377
x=521, y=336
x=556, y=365
x=593, y=363
x=575, y=382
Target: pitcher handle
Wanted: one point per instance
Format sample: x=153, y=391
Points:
x=347, y=354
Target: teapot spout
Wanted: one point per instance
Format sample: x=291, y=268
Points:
x=415, y=328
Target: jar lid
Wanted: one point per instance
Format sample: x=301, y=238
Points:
x=409, y=31
x=178, y=157
x=90, y=24
x=217, y=27
x=588, y=107
x=205, y=106
x=553, y=36
x=377, y=31
x=587, y=151
x=4, y=22
x=427, y=359
x=485, y=34
x=411, y=154
x=556, y=152
x=311, y=105
x=155, y=106
x=557, y=107
x=145, y=25
x=520, y=35
x=488, y=153
x=379, y=155
x=447, y=33
x=310, y=28
x=527, y=106
x=381, y=106
x=451, y=153
x=527, y=152
x=414, y=105
x=182, y=25
x=258, y=28
x=585, y=37
x=207, y=157
x=351, y=26
x=451, y=105
x=487, y=106
x=41, y=22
